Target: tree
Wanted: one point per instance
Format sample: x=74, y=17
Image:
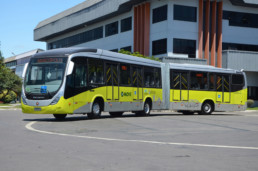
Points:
x=9, y=82
x=1, y=58
x=138, y=55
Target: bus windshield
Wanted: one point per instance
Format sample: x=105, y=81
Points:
x=44, y=75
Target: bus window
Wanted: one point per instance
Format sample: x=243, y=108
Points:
x=226, y=83
x=237, y=79
x=125, y=74
x=77, y=82
x=137, y=77
x=211, y=81
x=148, y=77
x=199, y=81
x=237, y=82
x=80, y=80
x=219, y=83
x=96, y=73
x=176, y=80
x=179, y=80
x=184, y=81
x=157, y=77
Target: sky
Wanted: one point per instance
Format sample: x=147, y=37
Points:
x=18, y=18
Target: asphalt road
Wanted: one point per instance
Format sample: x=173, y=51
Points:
x=163, y=141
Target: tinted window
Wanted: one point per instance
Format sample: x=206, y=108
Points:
x=126, y=24
x=184, y=46
x=159, y=14
x=77, y=82
x=253, y=93
x=237, y=82
x=159, y=47
x=237, y=46
x=96, y=73
x=175, y=80
x=149, y=77
x=111, y=29
x=125, y=74
x=127, y=48
x=179, y=80
x=157, y=77
x=211, y=81
x=241, y=19
x=184, y=13
x=199, y=81
x=114, y=50
x=87, y=36
x=237, y=79
x=219, y=84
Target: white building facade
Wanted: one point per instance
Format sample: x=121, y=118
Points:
x=225, y=33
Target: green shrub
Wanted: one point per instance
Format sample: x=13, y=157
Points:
x=11, y=96
x=250, y=102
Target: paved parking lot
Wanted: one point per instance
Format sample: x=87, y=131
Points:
x=163, y=141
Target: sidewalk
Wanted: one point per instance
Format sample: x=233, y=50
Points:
x=11, y=107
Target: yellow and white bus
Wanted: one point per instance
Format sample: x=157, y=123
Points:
x=89, y=81
x=205, y=89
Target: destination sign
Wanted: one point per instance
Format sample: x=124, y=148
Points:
x=49, y=60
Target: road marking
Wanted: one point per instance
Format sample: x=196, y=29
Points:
x=29, y=127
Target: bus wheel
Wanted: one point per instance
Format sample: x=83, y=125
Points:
x=145, y=111
x=116, y=114
x=207, y=108
x=60, y=116
x=96, y=111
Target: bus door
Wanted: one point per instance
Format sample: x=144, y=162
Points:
x=223, y=88
x=137, y=83
x=77, y=84
x=180, y=86
x=112, y=81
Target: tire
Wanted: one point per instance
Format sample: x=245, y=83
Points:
x=60, y=116
x=207, y=108
x=95, y=112
x=146, y=110
x=116, y=114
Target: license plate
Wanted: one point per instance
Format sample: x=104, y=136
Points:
x=37, y=109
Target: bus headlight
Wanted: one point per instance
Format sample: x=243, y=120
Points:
x=23, y=99
x=56, y=99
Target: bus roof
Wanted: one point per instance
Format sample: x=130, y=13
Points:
x=62, y=52
x=104, y=54
x=108, y=55
x=206, y=68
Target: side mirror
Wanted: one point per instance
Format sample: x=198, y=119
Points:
x=70, y=68
x=24, y=70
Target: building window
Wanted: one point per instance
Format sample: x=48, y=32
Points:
x=159, y=14
x=126, y=24
x=114, y=50
x=127, y=48
x=253, y=93
x=94, y=34
x=236, y=46
x=159, y=47
x=84, y=37
x=111, y=29
x=184, y=13
x=241, y=19
x=183, y=46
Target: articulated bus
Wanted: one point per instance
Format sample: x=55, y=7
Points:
x=89, y=81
